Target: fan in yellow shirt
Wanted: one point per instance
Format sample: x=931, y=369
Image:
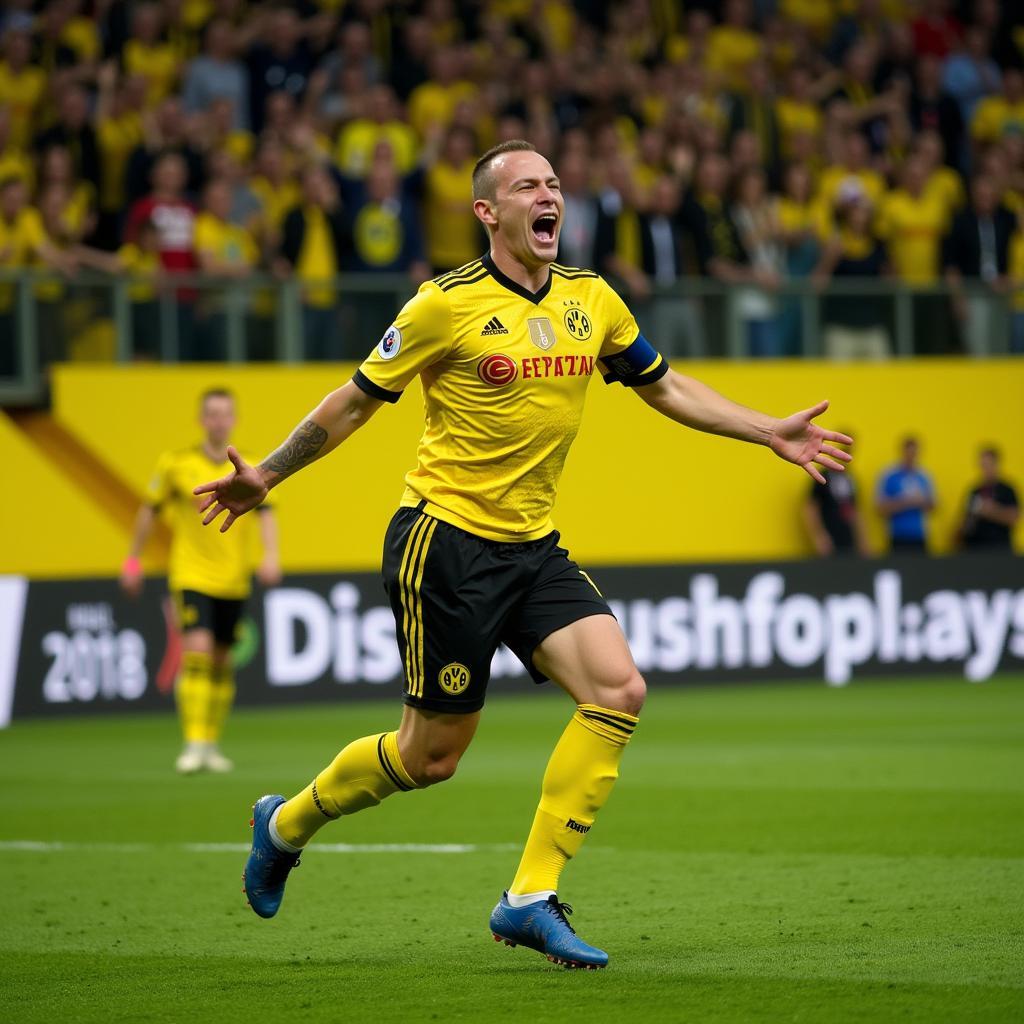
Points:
x=1015, y=271
x=223, y=249
x=22, y=86
x=432, y=104
x=78, y=214
x=854, y=174
x=275, y=188
x=119, y=108
x=796, y=111
x=451, y=228
x=996, y=116
x=228, y=252
x=359, y=138
x=147, y=55
x=912, y=223
x=23, y=238
x=732, y=46
x=817, y=16
x=15, y=162
x=209, y=577
x=943, y=183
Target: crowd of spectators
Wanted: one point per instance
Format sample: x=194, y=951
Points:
x=752, y=143
x=905, y=498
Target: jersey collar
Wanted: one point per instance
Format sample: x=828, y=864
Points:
x=505, y=281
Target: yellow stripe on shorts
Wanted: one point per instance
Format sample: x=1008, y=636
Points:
x=403, y=575
x=410, y=579
x=420, y=672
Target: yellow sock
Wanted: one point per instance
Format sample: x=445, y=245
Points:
x=193, y=693
x=579, y=777
x=222, y=696
x=363, y=774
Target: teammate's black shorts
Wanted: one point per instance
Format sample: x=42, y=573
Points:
x=456, y=597
x=219, y=615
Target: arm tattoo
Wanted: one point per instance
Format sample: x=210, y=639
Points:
x=301, y=448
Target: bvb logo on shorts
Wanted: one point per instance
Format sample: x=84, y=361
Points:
x=577, y=323
x=453, y=678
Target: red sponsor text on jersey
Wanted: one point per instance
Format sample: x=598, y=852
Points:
x=558, y=366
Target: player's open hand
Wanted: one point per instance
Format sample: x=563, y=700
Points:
x=237, y=493
x=799, y=440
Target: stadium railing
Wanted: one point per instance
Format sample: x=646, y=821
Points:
x=45, y=318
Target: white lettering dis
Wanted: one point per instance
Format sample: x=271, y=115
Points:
x=298, y=627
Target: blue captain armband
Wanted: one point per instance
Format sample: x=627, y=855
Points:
x=635, y=366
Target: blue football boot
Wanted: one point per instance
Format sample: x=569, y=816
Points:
x=543, y=926
x=267, y=868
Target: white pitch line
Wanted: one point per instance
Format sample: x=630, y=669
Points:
x=35, y=846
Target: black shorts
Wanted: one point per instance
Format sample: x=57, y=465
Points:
x=456, y=597
x=219, y=615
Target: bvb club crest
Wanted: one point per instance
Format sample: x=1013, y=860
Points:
x=578, y=324
x=453, y=678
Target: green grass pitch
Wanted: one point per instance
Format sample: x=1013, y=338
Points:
x=771, y=853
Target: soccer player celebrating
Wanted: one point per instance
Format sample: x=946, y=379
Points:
x=209, y=582
x=505, y=348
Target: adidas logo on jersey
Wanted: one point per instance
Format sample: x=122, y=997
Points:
x=493, y=326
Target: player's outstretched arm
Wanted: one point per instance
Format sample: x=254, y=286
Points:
x=796, y=438
x=131, y=570
x=336, y=418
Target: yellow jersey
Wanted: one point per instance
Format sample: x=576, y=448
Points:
x=141, y=268
x=275, y=201
x=1016, y=271
x=16, y=163
x=202, y=558
x=947, y=188
x=20, y=240
x=22, y=93
x=159, y=64
x=225, y=242
x=730, y=51
x=359, y=138
x=317, y=266
x=432, y=104
x=796, y=118
x=504, y=374
x=452, y=230
x=117, y=137
x=913, y=228
x=835, y=180
x=994, y=117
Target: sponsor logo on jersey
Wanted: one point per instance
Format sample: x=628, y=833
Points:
x=558, y=366
x=493, y=326
x=576, y=826
x=578, y=324
x=500, y=369
x=453, y=678
x=542, y=334
x=390, y=343
x=497, y=370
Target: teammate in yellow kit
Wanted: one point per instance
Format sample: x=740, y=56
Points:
x=505, y=348
x=209, y=579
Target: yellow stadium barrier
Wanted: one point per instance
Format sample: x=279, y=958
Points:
x=637, y=489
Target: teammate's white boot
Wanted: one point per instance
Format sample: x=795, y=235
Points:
x=190, y=760
x=215, y=761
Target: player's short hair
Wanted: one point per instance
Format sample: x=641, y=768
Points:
x=215, y=393
x=484, y=185
x=991, y=451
